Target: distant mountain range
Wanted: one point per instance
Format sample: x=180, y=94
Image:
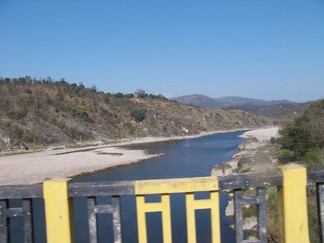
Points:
x=229, y=101
x=273, y=108
x=225, y=102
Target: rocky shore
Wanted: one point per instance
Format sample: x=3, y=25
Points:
x=255, y=155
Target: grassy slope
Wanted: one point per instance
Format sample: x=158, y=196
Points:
x=50, y=113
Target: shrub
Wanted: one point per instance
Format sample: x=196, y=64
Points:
x=285, y=153
x=272, y=195
x=131, y=129
x=80, y=112
x=272, y=215
x=311, y=155
x=139, y=115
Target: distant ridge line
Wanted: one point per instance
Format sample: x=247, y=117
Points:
x=272, y=108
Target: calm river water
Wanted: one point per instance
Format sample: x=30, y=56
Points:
x=185, y=158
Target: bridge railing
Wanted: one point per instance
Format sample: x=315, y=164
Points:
x=291, y=181
x=317, y=178
x=9, y=210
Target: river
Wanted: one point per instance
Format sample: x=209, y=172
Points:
x=184, y=158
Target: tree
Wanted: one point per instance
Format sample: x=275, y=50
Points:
x=140, y=93
x=119, y=95
x=28, y=80
x=21, y=80
x=49, y=80
x=63, y=83
x=129, y=96
x=94, y=88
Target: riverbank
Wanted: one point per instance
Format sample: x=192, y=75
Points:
x=262, y=134
x=36, y=167
x=255, y=154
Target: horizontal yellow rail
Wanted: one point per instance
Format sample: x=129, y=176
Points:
x=195, y=184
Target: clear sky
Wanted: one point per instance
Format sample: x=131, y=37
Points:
x=266, y=49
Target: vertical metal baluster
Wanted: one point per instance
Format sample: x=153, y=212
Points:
x=3, y=221
x=28, y=226
x=320, y=208
x=262, y=215
x=238, y=209
x=92, y=220
x=116, y=219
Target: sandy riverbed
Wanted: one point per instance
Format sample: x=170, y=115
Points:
x=37, y=167
x=32, y=168
x=262, y=134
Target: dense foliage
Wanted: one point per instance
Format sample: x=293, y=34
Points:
x=304, y=138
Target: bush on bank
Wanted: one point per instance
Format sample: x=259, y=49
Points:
x=303, y=139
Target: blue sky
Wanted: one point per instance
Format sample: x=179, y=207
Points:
x=266, y=49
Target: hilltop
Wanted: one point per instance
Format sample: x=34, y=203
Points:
x=45, y=112
x=199, y=100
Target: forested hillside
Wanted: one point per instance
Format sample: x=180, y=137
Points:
x=45, y=112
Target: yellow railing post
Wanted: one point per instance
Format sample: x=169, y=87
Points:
x=144, y=207
x=57, y=211
x=184, y=185
x=292, y=205
x=192, y=205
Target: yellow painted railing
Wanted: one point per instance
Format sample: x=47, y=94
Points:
x=166, y=187
x=57, y=211
x=292, y=204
